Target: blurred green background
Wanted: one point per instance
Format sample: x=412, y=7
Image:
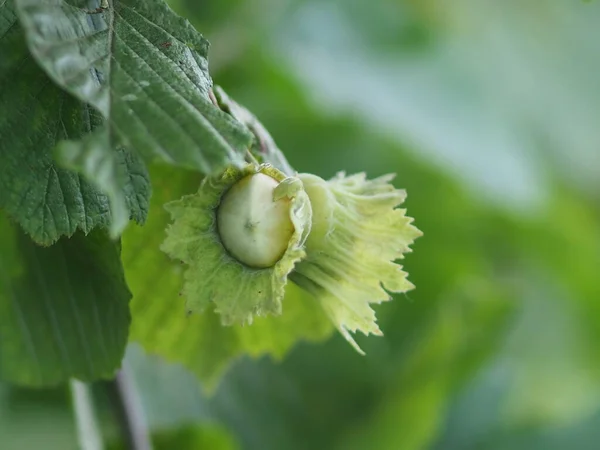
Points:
x=489, y=112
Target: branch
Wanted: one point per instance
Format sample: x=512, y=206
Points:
x=129, y=411
x=88, y=432
x=267, y=148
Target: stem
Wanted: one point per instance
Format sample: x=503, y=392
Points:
x=129, y=411
x=251, y=159
x=268, y=149
x=88, y=432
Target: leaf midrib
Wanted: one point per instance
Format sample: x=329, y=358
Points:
x=111, y=52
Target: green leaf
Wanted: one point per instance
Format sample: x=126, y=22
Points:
x=45, y=199
x=199, y=341
x=145, y=69
x=194, y=437
x=118, y=173
x=191, y=437
x=29, y=416
x=64, y=309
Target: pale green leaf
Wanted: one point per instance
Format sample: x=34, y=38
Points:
x=145, y=69
x=199, y=341
x=45, y=199
x=64, y=309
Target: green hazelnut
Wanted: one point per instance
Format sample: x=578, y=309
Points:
x=240, y=236
x=254, y=228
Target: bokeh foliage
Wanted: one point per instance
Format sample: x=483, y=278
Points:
x=487, y=111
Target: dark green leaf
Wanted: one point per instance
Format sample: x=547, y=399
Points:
x=145, y=69
x=29, y=416
x=64, y=309
x=118, y=173
x=46, y=200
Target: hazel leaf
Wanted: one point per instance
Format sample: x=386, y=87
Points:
x=120, y=174
x=144, y=69
x=64, y=308
x=47, y=200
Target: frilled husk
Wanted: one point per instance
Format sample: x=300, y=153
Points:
x=357, y=234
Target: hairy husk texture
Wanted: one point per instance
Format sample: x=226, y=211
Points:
x=213, y=277
x=357, y=234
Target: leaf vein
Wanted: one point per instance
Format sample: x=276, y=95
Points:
x=39, y=274
x=207, y=123
x=76, y=315
x=21, y=318
x=152, y=24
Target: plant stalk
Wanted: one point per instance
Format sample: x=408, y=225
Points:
x=88, y=431
x=129, y=411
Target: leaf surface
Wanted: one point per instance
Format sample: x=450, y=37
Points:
x=64, y=309
x=120, y=174
x=44, y=198
x=145, y=69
